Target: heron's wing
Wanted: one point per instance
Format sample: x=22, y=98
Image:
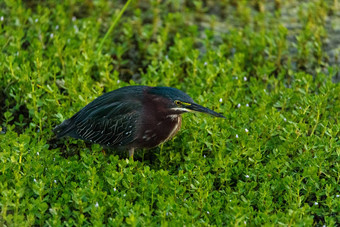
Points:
x=112, y=124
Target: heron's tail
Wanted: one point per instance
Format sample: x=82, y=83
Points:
x=64, y=129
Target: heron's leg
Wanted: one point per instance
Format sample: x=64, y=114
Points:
x=131, y=151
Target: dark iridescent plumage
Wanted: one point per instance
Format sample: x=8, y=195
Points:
x=131, y=117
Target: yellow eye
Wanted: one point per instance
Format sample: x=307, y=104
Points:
x=177, y=102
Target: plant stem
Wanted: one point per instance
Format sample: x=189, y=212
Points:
x=113, y=25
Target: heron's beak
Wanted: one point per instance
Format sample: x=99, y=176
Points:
x=193, y=107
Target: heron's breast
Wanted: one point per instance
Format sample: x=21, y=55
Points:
x=154, y=134
x=176, y=126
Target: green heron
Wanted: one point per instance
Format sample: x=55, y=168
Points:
x=131, y=117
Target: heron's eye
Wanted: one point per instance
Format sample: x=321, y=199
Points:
x=177, y=102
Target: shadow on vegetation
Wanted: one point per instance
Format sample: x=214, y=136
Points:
x=19, y=113
x=68, y=149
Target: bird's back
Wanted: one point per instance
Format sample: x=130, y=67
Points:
x=109, y=120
